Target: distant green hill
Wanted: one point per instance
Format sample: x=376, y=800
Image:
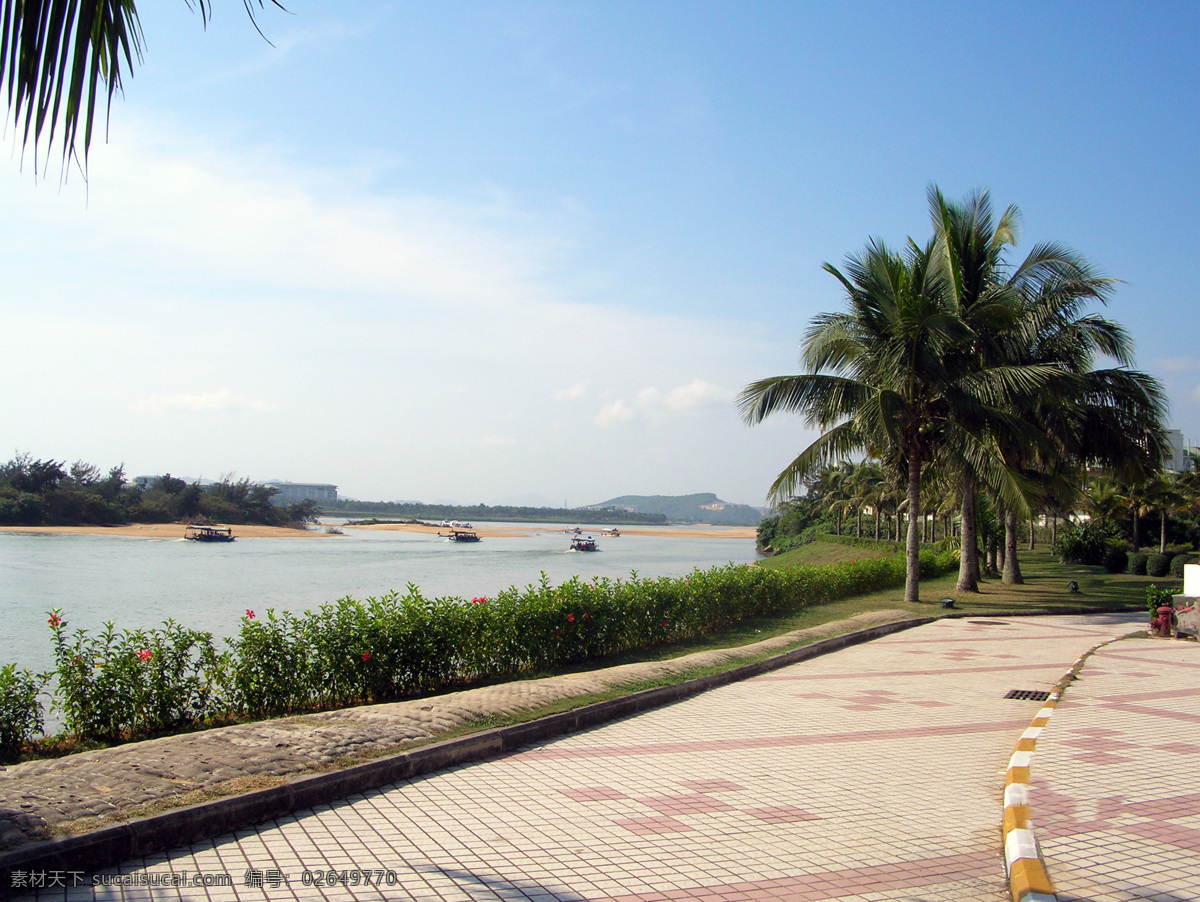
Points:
x=702, y=508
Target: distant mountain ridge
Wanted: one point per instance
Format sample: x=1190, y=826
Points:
x=704, y=507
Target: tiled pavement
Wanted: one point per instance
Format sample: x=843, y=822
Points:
x=1116, y=777
x=871, y=774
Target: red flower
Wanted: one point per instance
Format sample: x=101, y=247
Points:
x=558, y=633
x=54, y=620
x=664, y=623
x=585, y=615
x=570, y=618
x=366, y=656
x=249, y=614
x=480, y=599
x=145, y=654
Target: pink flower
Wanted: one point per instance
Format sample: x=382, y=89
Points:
x=366, y=656
x=145, y=654
x=54, y=620
x=249, y=614
x=570, y=618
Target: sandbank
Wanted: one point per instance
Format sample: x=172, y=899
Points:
x=670, y=532
x=165, y=531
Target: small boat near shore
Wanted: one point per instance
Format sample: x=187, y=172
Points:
x=460, y=535
x=580, y=543
x=208, y=533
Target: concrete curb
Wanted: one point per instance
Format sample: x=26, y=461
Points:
x=108, y=846
x=1028, y=879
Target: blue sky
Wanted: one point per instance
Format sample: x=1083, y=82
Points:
x=529, y=252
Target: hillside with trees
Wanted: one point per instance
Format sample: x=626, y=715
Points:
x=500, y=513
x=704, y=507
x=47, y=493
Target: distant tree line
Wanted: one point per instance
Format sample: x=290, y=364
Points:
x=499, y=513
x=48, y=493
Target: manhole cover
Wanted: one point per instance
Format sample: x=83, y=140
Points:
x=1037, y=695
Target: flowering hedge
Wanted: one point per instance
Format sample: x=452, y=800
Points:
x=137, y=682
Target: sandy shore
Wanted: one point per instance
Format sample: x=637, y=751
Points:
x=175, y=531
x=165, y=531
x=682, y=532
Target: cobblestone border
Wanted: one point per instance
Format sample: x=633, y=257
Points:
x=1028, y=879
x=108, y=846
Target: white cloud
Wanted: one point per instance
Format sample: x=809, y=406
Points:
x=652, y=403
x=574, y=393
x=499, y=441
x=699, y=394
x=614, y=412
x=210, y=402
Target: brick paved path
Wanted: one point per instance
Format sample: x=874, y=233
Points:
x=871, y=774
x=1116, y=777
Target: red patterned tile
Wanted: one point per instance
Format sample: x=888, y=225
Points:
x=646, y=826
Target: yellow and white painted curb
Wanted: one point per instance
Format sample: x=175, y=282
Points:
x=1028, y=880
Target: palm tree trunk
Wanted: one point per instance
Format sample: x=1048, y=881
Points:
x=1162, y=542
x=968, y=564
x=877, y=523
x=1031, y=534
x=1054, y=529
x=859, y=531
x=912, y=578
x=1012, y=569
x=1137, y=542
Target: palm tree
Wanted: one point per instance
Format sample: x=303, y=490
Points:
x=1029, y=319
x=57, y=55
x=890, y=390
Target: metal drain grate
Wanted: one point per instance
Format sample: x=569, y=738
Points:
x=1036, y=695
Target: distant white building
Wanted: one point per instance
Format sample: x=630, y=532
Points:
x=291, y=492
x=1175, y=459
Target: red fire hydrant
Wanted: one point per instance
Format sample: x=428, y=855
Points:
x=1162, y=623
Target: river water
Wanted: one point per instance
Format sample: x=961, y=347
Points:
x=139, y=582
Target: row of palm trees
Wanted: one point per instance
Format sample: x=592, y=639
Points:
x=950, y=364
x=851, y=489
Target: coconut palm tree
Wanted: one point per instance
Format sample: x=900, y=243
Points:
x=890, y=389
x=57, y=56
x=1031, y=318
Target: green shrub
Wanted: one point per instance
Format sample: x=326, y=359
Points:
x=21, y=717
x=1155, y=597
x=119, y=685
x=1137, y=564
x=1177, y=564
x=1116, y=561
x=122, y=685
x=1157, y=565
x=1086, y=545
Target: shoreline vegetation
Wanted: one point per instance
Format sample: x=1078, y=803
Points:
x=117, y=686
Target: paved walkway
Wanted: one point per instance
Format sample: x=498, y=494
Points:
x=1116, y=777
x=872, y=774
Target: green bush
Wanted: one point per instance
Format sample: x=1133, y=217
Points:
x=1156, y=597
x=1116, y=561
x=122, y=685
x=1157, y=565
x=1177, y=564
x=118, y=685
x=21, y=717
x=1086, y=545
x=1137, y=564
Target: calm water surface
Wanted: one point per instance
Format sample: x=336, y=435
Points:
x=139, y=582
